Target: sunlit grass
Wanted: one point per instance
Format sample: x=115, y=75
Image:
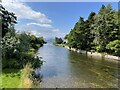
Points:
x=0, y=79
x=11, y=78
x=16, y=78
x=62, y=45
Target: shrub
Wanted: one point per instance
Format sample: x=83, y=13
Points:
x=114, y=47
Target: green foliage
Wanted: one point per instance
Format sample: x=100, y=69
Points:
x=96, y=32
x=81, y=35
x=16, y=48
x=106, y=27
x=8, y=20
x=66, y=36
x=24, y=44
x=99, y=48
x=114, y=46
x=36, y=42
x=9, y=44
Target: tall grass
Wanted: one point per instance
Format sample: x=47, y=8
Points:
x=26, y=82
x=27, y=78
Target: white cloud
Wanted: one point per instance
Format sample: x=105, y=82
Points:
x=41, y=25
x=25, y=12
x=55, y=30
x=34, y=32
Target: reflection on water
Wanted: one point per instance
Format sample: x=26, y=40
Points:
x=68, y=69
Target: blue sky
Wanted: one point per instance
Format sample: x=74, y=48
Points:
x=53, y=19
x=65, y=15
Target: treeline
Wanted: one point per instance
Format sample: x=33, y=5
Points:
x=18, y=49
x=100, y=32
x=58, y=40
x=36, y=42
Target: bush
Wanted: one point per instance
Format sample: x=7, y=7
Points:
x=114, y=47
x=99, y=48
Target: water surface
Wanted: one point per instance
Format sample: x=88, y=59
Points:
x=67, y=69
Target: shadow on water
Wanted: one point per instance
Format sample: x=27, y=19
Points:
x=68, y=69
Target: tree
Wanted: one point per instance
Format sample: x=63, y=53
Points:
x=106, y=29
x=8, y=20
x=36, y=42
x=114, y=47
x=66, y=36
x=9, y=39
x=58, y=40
x=89, y=25
x=16, y=47
x=9, y=45
x=76, y=37
x=99, y=32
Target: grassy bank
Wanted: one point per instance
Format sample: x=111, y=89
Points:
x=18, y=78
x=11, y=78
x=61, y=45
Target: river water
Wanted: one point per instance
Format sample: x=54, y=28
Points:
x=68, y=69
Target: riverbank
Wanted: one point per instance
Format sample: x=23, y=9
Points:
x=91, y=54
x=16, y=78
x=19, y=78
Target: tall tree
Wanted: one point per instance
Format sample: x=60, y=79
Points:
x=76, y=38
x=8, y=20
x=89, y=25
x=99, y=32
x=106, y=29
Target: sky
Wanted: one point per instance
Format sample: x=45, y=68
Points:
x=50, y=19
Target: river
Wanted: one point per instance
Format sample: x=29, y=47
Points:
x=68, y=69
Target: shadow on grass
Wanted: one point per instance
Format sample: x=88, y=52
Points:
x=7, y=71
x=11, y=72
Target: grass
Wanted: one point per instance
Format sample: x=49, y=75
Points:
x=62, y=45
x=11, y=78
x=16, y=78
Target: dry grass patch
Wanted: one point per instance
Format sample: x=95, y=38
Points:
x=26, y=82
